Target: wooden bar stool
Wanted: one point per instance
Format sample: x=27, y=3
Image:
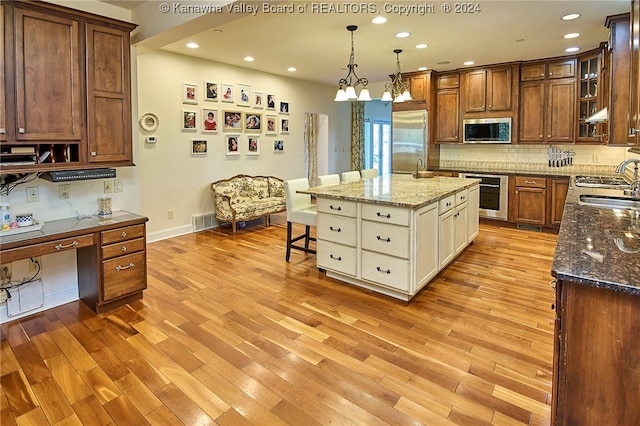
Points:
x=299, y=210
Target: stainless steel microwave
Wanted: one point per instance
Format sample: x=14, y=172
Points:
x=487, y=130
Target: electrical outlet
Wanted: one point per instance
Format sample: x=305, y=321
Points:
x=108, y=186
x=34, y=262
x=5, y=272
x=33, y=194
x=118, y=187
x=64, y=191
x=596, y=158
x=170, y=214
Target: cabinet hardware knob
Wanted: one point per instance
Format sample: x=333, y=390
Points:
x=59, y=247
x=94, y=154
x=383, y=239
x=21, y=130
x=124, y=234
x=335, y=229
x=123, y=249
x=388, y=216
x=388, y=271
x=338, y=258
x=552, y=283
x=550, y=73
x=120, y=268
x=2, y=130
x=335, y=208
x=553, y=306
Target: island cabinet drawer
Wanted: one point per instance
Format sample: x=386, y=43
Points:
x=125, y=247
x=387, y=239
x=336, y=257
x=386, y=270
x=446, y=204
x=461, y=197
x=124, y=275
x=337, y=207
x=122, y=234
x=386, y=214
x=337, y=229
x=531, y=182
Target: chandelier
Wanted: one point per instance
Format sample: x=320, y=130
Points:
x=347, y=86
x=397, y=90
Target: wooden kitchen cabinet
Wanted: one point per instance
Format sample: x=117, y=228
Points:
x=596, y=356
x=547, y=111
x=487, y=90
x=420, y=87
x=447, y=108
x=619, y=124
x=635, y=72
x=564, y=68
x=530, y=200
x=590, y=97
x=64, y=56
x=559, y=187
x=3, y=97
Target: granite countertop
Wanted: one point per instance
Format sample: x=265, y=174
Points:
x=528, y=169
x=395, y=189
x=599, y=247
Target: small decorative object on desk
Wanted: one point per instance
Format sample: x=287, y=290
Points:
x=104, y=207
x=25, y=219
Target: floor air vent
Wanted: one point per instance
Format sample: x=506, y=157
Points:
x=203, y=221
x=529, y=227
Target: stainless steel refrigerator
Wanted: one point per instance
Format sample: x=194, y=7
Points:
x=409, y=140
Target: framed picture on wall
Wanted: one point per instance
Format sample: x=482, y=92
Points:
x=271, y=126
x=198, y=146
x=209, y=120
x=284, y=107
x=284, y=126
x=253, y=121
x=211, y=91
x=258, y=100
x=253, y=145
x=227, y=93
x=232, y=120
x=189, y=93
x=189, y=122
x=244, y=95
x=271, y=102
x=278, y=146
x=232, y=145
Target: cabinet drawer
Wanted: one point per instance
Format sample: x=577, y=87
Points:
x=386, y=214
x=461, y=196
x=386, y=239
x=385, y=270
x=122, y=234
x=125, y=247
x=531, y=182
x=56, y=246
x=124, y=275
x=337, y=207
x=446, y=204
x=337, y=229
x=336, y=257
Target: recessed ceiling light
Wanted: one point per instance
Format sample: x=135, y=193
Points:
x=571, y=49
x=403, y=34
x=422, y=46
x=291, y=69
x=570, y=16
x=469, y=63
x=249, y=58
x=423, y=68
x=192, y=45
x=572, y=35
x=379, y=20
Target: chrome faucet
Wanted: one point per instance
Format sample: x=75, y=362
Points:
x=419, y=162
x=622, y=167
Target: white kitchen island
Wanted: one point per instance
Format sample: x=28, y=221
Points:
x=393, y=234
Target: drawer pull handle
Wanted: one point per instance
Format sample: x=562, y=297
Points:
x=123, y=249
x=120, y=268
x=448, y=204
x=335, y=208
x=388, y=216
x=383, y=239
x=21, y=130
x=388, y=271
x=124, y=234
x=335, y=229
x=339, y=258
x=463, y=197
x=59, y=247
x=531, y=182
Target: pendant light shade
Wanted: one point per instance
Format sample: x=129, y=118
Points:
x=396, y=91
x=347, y=86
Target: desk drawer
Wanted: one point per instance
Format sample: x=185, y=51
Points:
x=122, y=234
x=124, y=275
x=50, y=247
x=125, y=247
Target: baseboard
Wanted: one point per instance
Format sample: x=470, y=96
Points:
x=169, y=233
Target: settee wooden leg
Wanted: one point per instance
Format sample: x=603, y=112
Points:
x=233, y=226
x=267, y=220
x=288, y=240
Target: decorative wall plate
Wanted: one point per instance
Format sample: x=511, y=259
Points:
x=149, y=122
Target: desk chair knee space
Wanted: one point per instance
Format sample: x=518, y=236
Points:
x=299, y=210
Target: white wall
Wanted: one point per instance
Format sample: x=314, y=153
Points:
x=174, y=179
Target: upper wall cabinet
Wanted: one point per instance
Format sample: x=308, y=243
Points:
x=419, y=86
x=487, y=90
x=548, y=70
x=67, y=85
x=591, y=96
x=635, y=71
x=447, y=108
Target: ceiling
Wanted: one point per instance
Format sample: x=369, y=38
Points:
x=318, y=44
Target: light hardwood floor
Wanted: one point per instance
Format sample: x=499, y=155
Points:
x=228, y=333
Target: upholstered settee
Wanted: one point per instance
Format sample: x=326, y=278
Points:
x=242, y=197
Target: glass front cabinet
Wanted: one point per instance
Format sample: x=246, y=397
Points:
x=590, y=98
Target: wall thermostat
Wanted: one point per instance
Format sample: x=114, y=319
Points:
x=151, y=139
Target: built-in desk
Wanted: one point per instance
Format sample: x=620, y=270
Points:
x=111, y=255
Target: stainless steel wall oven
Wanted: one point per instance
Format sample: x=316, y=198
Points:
x=494, y=193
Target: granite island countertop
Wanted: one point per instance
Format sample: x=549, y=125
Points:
x=395, y=189
x=599, y=247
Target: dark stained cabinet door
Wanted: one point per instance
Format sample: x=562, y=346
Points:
x=475, y=91
x=499, y=89
x=3, y=96
x=560, y=107
x=447, y=116
x=558, y=195
x=532, y=99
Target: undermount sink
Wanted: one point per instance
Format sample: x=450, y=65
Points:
x=601, y=182
x=609, y=202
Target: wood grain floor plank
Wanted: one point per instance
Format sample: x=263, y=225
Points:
x=70, y=382
x=52, y=401
x=20, y=395
x=183, y=407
